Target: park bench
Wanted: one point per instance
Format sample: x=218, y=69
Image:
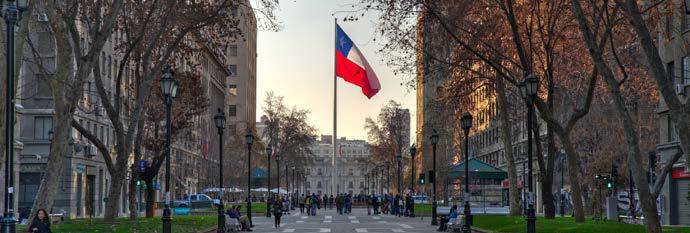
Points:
x=232, y=224
x=56, y=218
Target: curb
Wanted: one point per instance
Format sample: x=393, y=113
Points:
x=479, y=230
x=208, y=230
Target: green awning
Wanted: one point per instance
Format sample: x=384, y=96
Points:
x=477, y=168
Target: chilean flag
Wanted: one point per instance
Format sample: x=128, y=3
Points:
x=351, y=65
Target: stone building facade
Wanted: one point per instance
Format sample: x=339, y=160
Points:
x=84, y=184
x=348, y=176
x=675, y=196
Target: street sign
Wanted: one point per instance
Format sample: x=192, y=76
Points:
x=142, y=165
x=79, y=168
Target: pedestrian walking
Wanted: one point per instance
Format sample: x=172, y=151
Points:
x=307, y=203
x=277, y=213
x=301, y=204
x=314, y=204
x=40, y=223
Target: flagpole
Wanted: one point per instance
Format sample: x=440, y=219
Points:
x=335, y=107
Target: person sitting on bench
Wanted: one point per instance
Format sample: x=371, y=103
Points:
x=445, y=219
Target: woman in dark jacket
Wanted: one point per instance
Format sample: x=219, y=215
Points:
x=277, y=213
x=40, y=223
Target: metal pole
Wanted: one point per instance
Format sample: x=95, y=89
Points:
x=167, y=218
x=412, y=191
x=562, y=196
x=268, y=203
x=531, y=218
x=468, y=214
x=221, y=207
x=9, y=221
x=399, y=180
x=249, y=182
x=277, y=187
x=433, y=203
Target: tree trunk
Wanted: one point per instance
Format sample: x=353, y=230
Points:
x=150, y=197
x=573, y=173
x=545, y=178
x=112, y=207
x=506, y=127
x=56, y=160
x=132, y=194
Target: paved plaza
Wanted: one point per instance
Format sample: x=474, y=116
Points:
x=330, y=221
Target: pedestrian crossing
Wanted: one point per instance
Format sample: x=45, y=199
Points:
x=329, y=221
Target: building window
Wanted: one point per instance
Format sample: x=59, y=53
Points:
x=42, y=124
x=350, y=185
x=318, y=185
x=42, y=87
x=350, y=171
x=234, y=10
x=670, y=69
x=45, y=43
x=232, y=110
x=320, y=172
x=232, y=88
x=308, y=185
x=685, y=79
x=232, y=50
x=232, y=69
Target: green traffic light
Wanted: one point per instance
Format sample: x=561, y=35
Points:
x=609, y=185
x=138, y=182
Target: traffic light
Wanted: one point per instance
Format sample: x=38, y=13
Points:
x=609, y=183
x=432, y=178
x=421, y=178
x=138, y=182
x=614, y=171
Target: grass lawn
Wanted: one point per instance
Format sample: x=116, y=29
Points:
x=200, y=220
x=180, y=224
x=502, y=223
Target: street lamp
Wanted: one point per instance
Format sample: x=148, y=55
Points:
x=466, y=123
x=278, y=168
x=220, y=124
x=250, y=139
x=399, y=159
x=169, y=90
x=528, y=90
x=434, y=141
x=413, y=152
x=11, y=16
x=269, y=152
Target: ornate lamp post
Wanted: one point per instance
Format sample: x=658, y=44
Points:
x=220, y=124
x=413, y=153
x=11, y=15
x=528, y=90
x=250, y=139
x=434, y=141
x=399, y=159
x=278, y=168
x=466, y=123
x=269, y=152
x=169, y=90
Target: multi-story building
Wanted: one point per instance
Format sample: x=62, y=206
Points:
x=675, y=195
x=435, y=117
x=85, y=181
x=348, y=176
x=241, y=64
x=431, y=114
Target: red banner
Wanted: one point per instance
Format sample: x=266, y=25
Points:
x=680, y=173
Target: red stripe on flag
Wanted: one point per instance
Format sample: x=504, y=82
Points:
x=353, y=73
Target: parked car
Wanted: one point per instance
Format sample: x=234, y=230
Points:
x=195, y=201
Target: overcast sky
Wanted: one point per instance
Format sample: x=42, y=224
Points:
x=297, y=63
